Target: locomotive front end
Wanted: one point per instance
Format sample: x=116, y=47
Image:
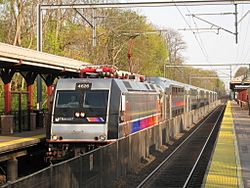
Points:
x=79, y=116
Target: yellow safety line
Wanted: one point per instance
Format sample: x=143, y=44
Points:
x=17, y=141
x=223, y=168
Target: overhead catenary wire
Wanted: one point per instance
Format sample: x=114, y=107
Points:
x=201, y=45
x=201, y=42
x=203, y=52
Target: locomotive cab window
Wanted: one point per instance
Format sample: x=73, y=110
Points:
x=91, y=104
x=95, y=99
x=69, y=99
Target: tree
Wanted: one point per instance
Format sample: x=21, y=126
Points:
x=175, y=46
x=241, y=71
x=119, y=31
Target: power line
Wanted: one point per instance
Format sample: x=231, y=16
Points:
x=192, y=32
x=202, y=44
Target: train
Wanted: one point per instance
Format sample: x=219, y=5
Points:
x=89, y=112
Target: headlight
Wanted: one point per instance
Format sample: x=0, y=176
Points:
x=77, y=114
x=54, y=137
x=82, y=114
x=102, y=137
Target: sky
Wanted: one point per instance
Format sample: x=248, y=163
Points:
x=207, y=47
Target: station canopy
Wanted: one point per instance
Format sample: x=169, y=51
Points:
x=240, y=83
x=23, y=59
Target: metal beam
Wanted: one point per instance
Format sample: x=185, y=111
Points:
x=207, y=77
x=199, y=29
x=201, y=77
x=145, y=4
x=85, y=19
x=211, y=14
x=5, y=157
x=244, y=16
x=205, y=65
x=212, y=24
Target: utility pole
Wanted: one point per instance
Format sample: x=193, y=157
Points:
x=39, y=48
x=236, y=24
x=130, y=47
x=94, y=27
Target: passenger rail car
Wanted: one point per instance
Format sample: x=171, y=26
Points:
x=174, y=95
x=194, y=98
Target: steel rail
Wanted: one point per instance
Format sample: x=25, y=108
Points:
x=165, y=160
x=203, y=148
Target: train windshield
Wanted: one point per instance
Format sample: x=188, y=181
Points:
x=68, y=99
x=91, y=103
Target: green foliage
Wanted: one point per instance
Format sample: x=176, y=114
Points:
x=65, y=33
x=201, y=78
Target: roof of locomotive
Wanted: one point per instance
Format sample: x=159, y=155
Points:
x=105, y=83
x=125, y=85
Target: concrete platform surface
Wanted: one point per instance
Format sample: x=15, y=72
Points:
x=21, y=140
x=242, y=130
x=230, y=163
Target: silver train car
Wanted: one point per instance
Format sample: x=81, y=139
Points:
x=180, y=97
x=89, y=112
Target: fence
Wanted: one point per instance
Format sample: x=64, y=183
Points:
x=98, y=168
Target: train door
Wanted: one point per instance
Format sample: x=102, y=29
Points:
x=248, y=100
x=170, y=96
x=187, y=101
x=166, y=106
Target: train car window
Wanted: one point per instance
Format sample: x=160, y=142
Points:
x=152, y=87
x=96, y=99
x=127, y=85
x=147, y=86
x=141, y=105
x=69, y=99
x=91, y=103
x=173, y=90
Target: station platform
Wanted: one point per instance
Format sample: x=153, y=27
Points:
x=230, y=162
x=21, y=140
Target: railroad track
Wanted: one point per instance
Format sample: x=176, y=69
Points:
x=186, y=165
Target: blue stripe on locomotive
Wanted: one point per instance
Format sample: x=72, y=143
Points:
x=135, y=126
